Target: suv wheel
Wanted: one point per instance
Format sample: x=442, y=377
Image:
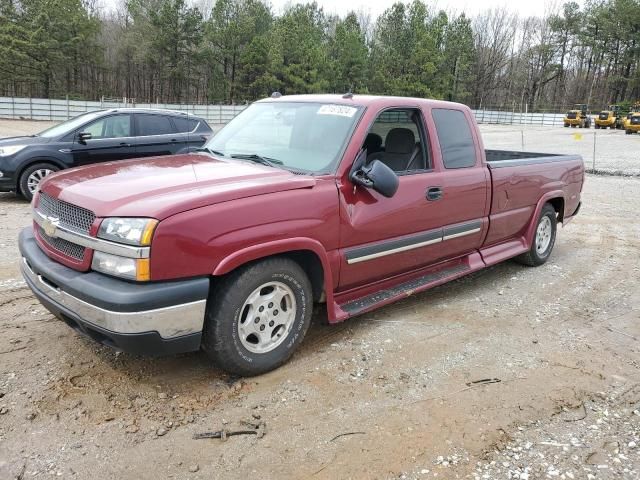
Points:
x=544, y=238
x=32, y=176
x=257, y=316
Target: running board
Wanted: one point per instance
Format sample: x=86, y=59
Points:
x=404, y=289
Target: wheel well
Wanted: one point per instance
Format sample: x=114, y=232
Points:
x=558, y=205
x=309, y=262
x=34, y=162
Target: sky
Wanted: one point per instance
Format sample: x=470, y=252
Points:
x=470, y=7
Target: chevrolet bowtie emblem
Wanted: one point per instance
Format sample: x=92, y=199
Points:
x=50, y=225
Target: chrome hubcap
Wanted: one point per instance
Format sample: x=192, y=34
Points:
x=543, y=235
x=267, y=317
x=36, y=177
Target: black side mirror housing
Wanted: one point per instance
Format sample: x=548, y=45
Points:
x=83, y=137
x=376, y=176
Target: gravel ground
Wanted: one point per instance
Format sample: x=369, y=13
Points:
x=513, y=372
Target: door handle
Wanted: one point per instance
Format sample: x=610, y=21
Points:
x=124, y=144
x=174, y=140
x=434, y=193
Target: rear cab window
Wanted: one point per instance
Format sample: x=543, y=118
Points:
x=148, y=124
x=454, y=135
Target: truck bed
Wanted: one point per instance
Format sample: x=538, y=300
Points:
x=510, y=158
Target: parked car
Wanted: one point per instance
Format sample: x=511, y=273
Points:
x=95, y=137
x=228, y=249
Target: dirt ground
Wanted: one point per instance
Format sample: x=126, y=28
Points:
x=390, y=394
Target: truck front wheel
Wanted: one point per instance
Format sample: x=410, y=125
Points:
x=257, y=316
x=544, y=238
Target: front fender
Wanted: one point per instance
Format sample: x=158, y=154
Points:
x=276, y=247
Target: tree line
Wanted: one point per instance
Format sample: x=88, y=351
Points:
x=236, y=51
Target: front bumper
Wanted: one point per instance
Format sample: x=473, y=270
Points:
x=143, y=318
x=633, y=128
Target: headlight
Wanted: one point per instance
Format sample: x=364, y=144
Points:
x=10, y=150
x=129, y=268
x=132, y=231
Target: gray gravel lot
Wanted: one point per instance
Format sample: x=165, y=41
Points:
x=390, y=394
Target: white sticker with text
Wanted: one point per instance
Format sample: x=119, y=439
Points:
x=341, y=110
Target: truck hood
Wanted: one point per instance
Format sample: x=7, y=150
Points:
x=159, y=187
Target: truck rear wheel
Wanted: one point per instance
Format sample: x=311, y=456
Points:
x=544, y=238
x=257, y=316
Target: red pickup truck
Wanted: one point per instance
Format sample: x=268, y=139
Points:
x=353, y=201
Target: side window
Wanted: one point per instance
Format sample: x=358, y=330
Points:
x=454, y=135
x=115, y=126
x=185, y=125
x=154, y=125
x=397, y=139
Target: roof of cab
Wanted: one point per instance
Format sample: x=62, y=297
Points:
x=362, y=100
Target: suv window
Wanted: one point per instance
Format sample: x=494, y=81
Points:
x=454, y=135
x=114, y=126
x=154, y=125
x=396, y=138
x=185, y=125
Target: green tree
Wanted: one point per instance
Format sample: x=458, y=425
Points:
x=349, y=56
x=231, y=31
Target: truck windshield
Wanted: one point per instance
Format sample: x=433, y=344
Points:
x=309, y=137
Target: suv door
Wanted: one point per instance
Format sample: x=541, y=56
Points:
x=187, y=128
x=156, y=135
x=111, y=139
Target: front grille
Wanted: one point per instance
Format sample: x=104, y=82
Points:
x=571, y=116
x=70, y=216
x=604, y=116
x=63, y=246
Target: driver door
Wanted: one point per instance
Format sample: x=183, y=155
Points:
x=383, y=236
x=111, y=139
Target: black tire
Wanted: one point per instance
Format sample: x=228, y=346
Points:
x=566, y=125
x=23, y=182
x=533, y=258
x=628, y=132
x=597, y=127
x=221, y=336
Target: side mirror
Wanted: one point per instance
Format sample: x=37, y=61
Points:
x=83, y=137
x=376, y=175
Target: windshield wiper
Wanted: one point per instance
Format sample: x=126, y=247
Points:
x=254, y=157
x=208, y=150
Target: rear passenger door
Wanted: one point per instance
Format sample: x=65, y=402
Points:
x=465, y=183
x=187, y=130
x=156, y=135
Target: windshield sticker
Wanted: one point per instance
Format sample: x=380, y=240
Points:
x=340, y=110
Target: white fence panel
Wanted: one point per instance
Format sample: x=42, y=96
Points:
x=63, y=109
x=60, y=110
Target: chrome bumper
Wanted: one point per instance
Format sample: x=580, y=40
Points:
x=169, y=322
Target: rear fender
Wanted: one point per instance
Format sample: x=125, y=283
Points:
x=531, y=229
x=277, y=247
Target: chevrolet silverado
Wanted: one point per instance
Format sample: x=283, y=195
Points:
x=349, y=200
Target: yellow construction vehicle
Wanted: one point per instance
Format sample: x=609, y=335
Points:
x=578, y=117
x=632, y=123
x=611, y=117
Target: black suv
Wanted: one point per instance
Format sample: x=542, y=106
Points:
x=94, y=137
